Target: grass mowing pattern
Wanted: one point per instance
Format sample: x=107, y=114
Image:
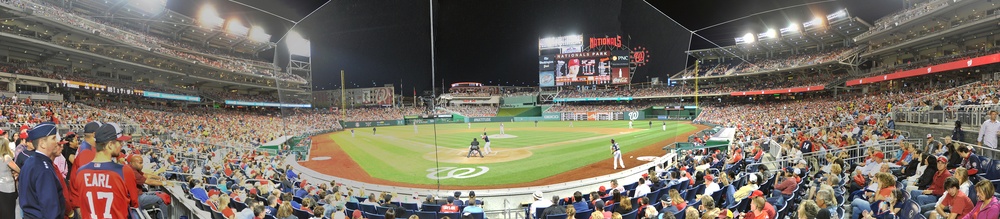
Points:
x=396, y=153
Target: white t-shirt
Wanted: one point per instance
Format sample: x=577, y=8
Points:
x=711, y=188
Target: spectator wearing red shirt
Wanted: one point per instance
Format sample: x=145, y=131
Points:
x=936, y=189
x=787, y=186
x=955, y=200
x=767, y=209
x=450, y=207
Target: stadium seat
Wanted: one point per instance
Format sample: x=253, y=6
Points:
x=583, y=214
x=361, y=199
x=427, y=214
x=297, y=199
x=538, y=212
x=268, y=216
x=742, y=206
x=635, y=201
x=236, y=206
x=353, y=205
x=655, y=195
x=441, y=215
x=910, y=210
x=370, y=208
x=630, y=215
x=557, y=216
x=381, y=210
x=410, y=206
x=717, y=196
x=631, y=186
x=693, y=192
x=478, y=215
x=367, y=216
x=218, y=215
x=610, y=207
x=679, y=215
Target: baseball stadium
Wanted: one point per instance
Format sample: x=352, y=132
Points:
x=636, y=109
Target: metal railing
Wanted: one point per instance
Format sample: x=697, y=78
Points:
x=971, y=115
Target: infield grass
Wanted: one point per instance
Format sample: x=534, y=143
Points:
x=397, y=153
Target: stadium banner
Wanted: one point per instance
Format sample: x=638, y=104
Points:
x=630, y=115
x=151, y=94
x=246, y=103
x=620, y=58
x=489, y=119
x=960, y=64
x=592, y=99
x=360, y=124
x=535, y=118
x=779, y=91
x=552, y=116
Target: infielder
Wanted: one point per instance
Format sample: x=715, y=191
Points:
x=616, y=152
x=664, y=126
x=470, y=125
x=414, y=127
x=474, y=147
x=352, y=133
x=501, y=128
x=486, y=147
x=630, y=124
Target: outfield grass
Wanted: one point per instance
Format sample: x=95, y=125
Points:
x=398, y=154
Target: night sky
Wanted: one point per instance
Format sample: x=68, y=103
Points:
x=495, y=42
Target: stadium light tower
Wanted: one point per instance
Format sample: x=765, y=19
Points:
x=771, y=33
x=257, y=34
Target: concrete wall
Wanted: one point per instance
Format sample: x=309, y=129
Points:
x=920, y=131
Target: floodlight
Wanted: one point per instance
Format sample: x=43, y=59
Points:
x=236, y=28
x=297, y=45
x=771, y=33
x=748, y=38
x=257, y=34
x=209, y=17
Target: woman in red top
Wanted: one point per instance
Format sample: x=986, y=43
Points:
x=224, y=205
x=676, y=200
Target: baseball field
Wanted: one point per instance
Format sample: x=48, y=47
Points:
x=523, y=155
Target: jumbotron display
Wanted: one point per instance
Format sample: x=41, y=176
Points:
x=576, y=60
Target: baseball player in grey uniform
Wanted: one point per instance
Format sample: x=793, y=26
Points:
x=616, y=152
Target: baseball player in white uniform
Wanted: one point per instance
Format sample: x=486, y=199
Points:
x=630, y=124
x=616, y=152
x=664, y=126
x=501, y=128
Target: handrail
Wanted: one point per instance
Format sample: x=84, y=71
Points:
x=935, y=94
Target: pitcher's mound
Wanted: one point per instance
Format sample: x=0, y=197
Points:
x=501, y=136
x=498, y=155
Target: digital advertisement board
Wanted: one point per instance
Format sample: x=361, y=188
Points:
x=603, y=60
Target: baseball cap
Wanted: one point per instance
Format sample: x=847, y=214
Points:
x=709, y=178
x=451, y=199
x=757, y=193
x=803, y=162
x=458, y=194
x=665, y=198
x=472, y=193
x=753, y=178
x=1, y=131
x=602, y=189
x=942, y=159
x=42, y=130
x=929, y=135
x=796, y=171
x=537, y=194
x=573, y=62
x=599, y=205
x=110, y=131
x=880, y=155
x=91, y=127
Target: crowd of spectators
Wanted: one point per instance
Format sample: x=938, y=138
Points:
x=978, y=93
x=914, y=11
x=930, y=61
x=141, y=41
x=738, y=66
x=933, y=28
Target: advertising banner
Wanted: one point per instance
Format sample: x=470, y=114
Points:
x=546, y=63
x=490, y=119
x=620, y=75
x=779, y=91
x=965, y=63
x=620, y=58
x=361, y=124
x=151, y=94
x=592, y=99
